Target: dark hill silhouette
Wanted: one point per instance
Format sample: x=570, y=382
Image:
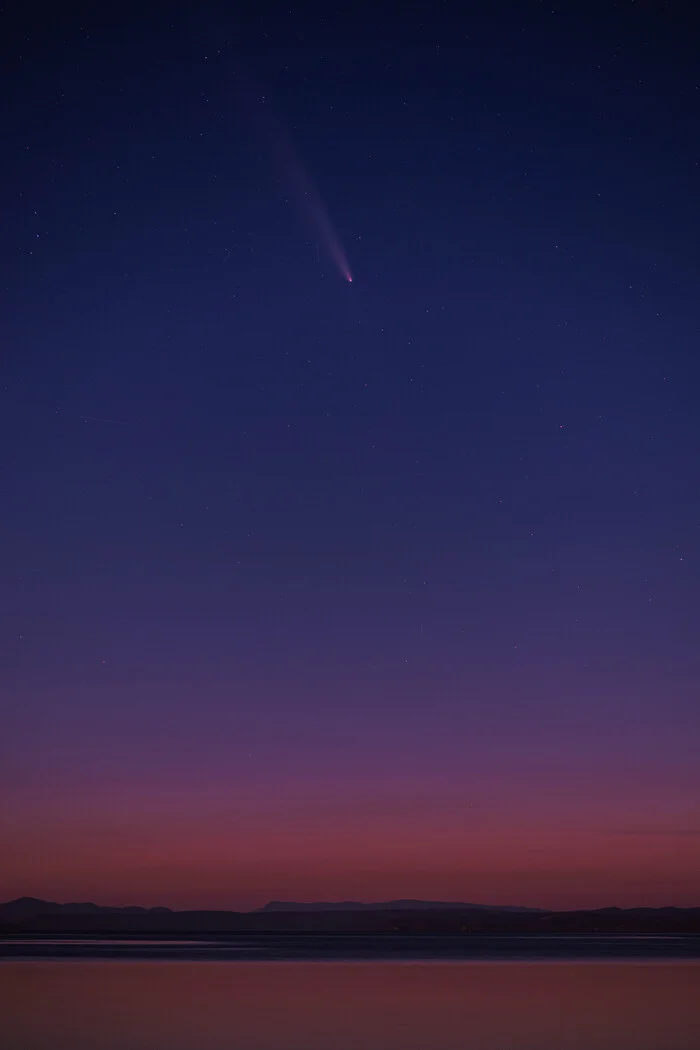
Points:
x=31, y=907
x=31, y=916
x=397, y=905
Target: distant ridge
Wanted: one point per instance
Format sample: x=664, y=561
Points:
x=30, y=907
x=434, y=918
x=34, y=907
x=397, y=905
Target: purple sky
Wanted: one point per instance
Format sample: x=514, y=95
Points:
x=311, y=589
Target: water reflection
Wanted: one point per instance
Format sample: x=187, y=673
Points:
x=77, y=1005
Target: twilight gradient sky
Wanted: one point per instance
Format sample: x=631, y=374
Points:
x=318, y=589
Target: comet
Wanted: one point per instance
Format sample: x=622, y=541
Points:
x=300, y=184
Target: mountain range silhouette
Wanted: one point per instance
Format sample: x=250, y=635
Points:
x=35, y=916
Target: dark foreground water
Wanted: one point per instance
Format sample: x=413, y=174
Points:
x=335, y=948
x=127, y=1004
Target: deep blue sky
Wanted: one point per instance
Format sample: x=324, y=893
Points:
x=393, y=584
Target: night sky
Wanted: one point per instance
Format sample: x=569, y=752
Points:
x=318, y=588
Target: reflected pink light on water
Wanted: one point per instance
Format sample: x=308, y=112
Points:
x=373, y=1006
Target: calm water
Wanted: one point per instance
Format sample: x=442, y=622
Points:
x=333, y=948
x=123, y=1004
